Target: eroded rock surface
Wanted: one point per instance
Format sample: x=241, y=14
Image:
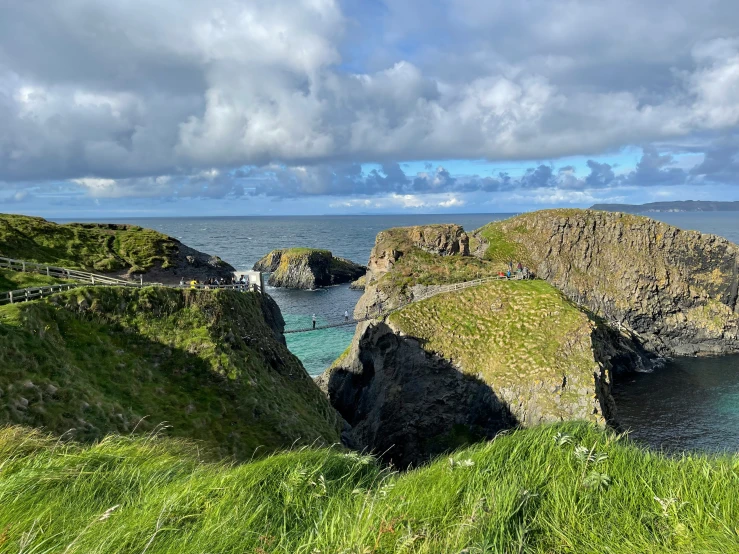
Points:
x=462, y=366
x=305, y=268
x=676, y=290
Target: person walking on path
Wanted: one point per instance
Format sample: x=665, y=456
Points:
x=346, y=315
x=194, y=284
x=182, y=281
x=314, y=321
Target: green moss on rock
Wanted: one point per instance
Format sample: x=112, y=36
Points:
x=676, y=289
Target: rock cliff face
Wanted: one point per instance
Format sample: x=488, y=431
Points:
x=305, y=268
x=462, y=366
x=418, y=245
x=676, y=290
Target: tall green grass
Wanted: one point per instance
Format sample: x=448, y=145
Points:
x=565, y=488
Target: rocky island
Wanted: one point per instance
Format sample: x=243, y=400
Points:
x=307, y=268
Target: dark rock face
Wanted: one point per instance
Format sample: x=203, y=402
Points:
x=303, y=268
x=409, y=405
x=675, y=290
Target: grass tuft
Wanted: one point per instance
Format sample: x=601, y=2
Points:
x=529, y=491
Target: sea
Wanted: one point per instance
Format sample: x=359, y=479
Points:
x=689, y=404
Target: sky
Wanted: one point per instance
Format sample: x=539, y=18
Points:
x=278, y=107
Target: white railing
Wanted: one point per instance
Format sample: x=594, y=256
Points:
x=33, y=293
x=63, y=273
x=86, y=278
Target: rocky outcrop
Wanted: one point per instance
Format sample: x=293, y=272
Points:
x=675, y=290
x=188, y=263
x=305, y=268
x=359, y=284
x=210, y=366
x=392, y=245
x=462, y=366
x=126, y=251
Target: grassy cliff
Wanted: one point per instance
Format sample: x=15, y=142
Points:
x=523, y=338
x=89, y=246
x=678, y=290
x=552, y=489
x=206, y=363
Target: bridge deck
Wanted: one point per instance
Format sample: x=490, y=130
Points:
x=327, y=326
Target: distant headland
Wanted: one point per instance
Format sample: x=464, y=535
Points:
x=677, y=206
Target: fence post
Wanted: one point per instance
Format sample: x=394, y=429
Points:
x=47, y=271
x=92, y=277
x=24, y=267
x=11, y=296
x=141, y=280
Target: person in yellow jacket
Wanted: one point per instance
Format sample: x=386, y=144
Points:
x=194, y=284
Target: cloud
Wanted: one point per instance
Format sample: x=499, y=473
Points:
x=120, y=90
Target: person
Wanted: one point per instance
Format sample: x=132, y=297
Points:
x=501, y=274
x=182, y=281
x=519, y=266
x=508, y=274
x=346, y=315
x=314, y=321
x=510, y=266
x=194, y=284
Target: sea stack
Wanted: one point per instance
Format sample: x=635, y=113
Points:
x=308, y=268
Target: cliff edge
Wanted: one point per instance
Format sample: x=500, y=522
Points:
x=675, y=290
x=119, y=250
x=210, y=365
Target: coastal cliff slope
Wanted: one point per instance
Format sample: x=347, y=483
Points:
x=463, y=365
x=211, y=365
x=307, y=268
x=676, y=290
x=120, y=250
x=405, y=260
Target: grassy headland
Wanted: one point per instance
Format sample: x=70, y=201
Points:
x=89, y=246
x=521, y=337
x=568, y=488
x=114, y=360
